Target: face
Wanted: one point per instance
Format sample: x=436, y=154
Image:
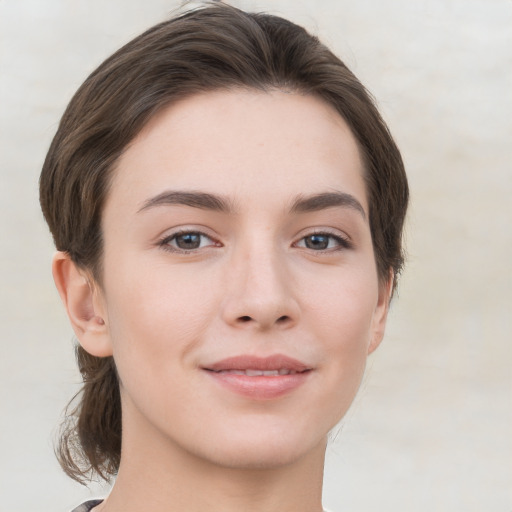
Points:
x=240, y=293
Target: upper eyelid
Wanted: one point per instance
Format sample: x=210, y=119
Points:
x=181, y=230
x=334, y=232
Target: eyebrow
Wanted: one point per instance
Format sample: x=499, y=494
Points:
x=201, y=200
x=317, y=202
x=213, y=202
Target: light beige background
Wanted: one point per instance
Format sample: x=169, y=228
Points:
x=431, y=428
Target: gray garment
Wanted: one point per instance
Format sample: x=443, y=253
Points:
x=87, y=506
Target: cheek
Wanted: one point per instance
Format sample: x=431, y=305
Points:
x=157, y=317
x=342, y=316
x=156, y=325
x=342, y=307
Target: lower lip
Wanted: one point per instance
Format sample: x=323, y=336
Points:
x=261, y=387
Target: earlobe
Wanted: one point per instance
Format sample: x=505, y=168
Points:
x=381, y=313
x=83, y=305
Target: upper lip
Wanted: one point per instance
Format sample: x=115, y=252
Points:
x=250, y=362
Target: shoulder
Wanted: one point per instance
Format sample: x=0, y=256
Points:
x=87, y=506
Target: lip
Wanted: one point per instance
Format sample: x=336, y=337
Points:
x=259, y=387
x=250, y=362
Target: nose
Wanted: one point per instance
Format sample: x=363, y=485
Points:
x=259, y=292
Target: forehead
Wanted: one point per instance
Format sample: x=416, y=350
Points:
x=242, y=142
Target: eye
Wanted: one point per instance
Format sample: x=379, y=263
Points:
x=187, y=241
x=323, y=242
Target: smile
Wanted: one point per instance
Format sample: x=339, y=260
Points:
x=258, y=373
x=258, y=378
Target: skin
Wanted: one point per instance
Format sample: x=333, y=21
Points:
x=257, y=283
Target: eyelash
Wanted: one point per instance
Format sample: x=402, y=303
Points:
x=342, y=243
x=165, y=242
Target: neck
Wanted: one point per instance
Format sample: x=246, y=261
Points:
x=159, y=476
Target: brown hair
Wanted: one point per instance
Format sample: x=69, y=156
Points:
x=215, y=47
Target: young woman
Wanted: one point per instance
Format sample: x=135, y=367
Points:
x=227, y=205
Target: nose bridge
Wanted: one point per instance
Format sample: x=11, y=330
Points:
x=265, y=274
x=259, y=291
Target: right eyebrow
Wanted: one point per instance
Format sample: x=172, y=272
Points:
x=317, y=202
x=201, y=200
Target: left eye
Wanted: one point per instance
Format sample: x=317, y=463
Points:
x=322, y=242
x=188, y=241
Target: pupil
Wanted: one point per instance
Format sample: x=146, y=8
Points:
x=188, y=241
x=317, y=242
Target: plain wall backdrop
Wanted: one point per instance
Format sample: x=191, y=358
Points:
x=431, y=427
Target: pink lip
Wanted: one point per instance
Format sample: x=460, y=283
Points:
x=248, y=362
x=260, y=387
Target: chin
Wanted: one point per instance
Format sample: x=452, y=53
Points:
x=258, y=458
x=268, y=448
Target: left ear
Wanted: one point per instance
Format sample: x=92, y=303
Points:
x=381, y=312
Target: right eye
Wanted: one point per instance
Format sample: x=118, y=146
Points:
x=186, y=241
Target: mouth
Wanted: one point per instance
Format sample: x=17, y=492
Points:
x=258, y=373
x=278, y=364
x=259, y=378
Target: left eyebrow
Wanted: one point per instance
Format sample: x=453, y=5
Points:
x=201, y=200
x=317, y=202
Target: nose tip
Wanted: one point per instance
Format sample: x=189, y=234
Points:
x=260, y=295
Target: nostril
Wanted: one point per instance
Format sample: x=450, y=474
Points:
x=285, y=319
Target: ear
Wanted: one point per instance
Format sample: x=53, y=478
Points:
x=381, y=312
x=84, y=305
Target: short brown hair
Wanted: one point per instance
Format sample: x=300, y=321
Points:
x=211, y=48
